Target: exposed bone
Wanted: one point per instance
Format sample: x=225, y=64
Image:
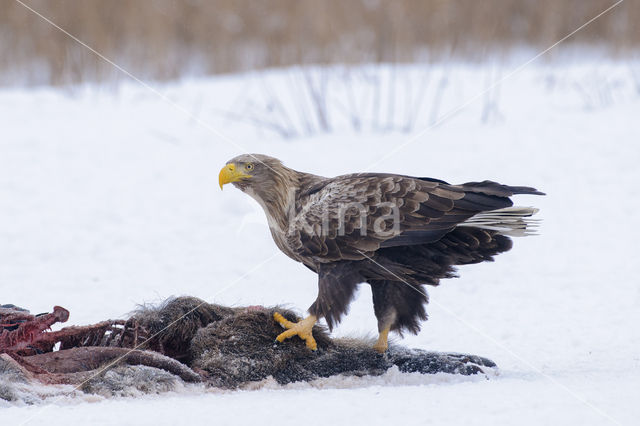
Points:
x=19, y=329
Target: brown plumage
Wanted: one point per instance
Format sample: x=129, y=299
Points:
x=393, y=232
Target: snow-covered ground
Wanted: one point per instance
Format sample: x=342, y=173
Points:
x=109, y=199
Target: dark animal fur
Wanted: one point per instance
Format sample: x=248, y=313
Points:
x=240, y=348
x=173, y=324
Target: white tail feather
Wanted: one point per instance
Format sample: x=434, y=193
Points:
x=512, y=221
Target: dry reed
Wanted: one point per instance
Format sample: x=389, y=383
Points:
x=165, y=39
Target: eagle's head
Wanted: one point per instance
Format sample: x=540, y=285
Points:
x=262, y=177
x=254, y=172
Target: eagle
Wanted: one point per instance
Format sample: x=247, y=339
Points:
x=396, y=233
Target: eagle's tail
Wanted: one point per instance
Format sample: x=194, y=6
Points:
x=512, y=221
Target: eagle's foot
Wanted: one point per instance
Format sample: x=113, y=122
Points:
x=383, y=341
x=302, y=328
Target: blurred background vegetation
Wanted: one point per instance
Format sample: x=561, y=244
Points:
x=167, y=39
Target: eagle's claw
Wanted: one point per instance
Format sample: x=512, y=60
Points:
x=382, y=344
x=302, y=328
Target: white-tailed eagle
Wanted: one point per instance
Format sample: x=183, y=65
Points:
x=396, y=233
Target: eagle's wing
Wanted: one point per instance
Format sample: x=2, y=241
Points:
x=344, y=217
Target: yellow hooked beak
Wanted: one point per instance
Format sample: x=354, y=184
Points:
x=229, y=173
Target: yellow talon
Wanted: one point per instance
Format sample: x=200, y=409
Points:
x=302, y=328
x=382, y=343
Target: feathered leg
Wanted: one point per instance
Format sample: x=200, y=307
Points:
x=398, y=306
x=385, y=313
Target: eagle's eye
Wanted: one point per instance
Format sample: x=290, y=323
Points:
x=249, y=166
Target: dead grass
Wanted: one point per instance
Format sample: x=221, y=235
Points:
x=165, y=39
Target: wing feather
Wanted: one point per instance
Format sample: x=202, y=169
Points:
x=342, y=217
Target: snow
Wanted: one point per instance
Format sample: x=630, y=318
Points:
x=109, y=199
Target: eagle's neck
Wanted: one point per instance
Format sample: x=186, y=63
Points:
x=279, y=200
